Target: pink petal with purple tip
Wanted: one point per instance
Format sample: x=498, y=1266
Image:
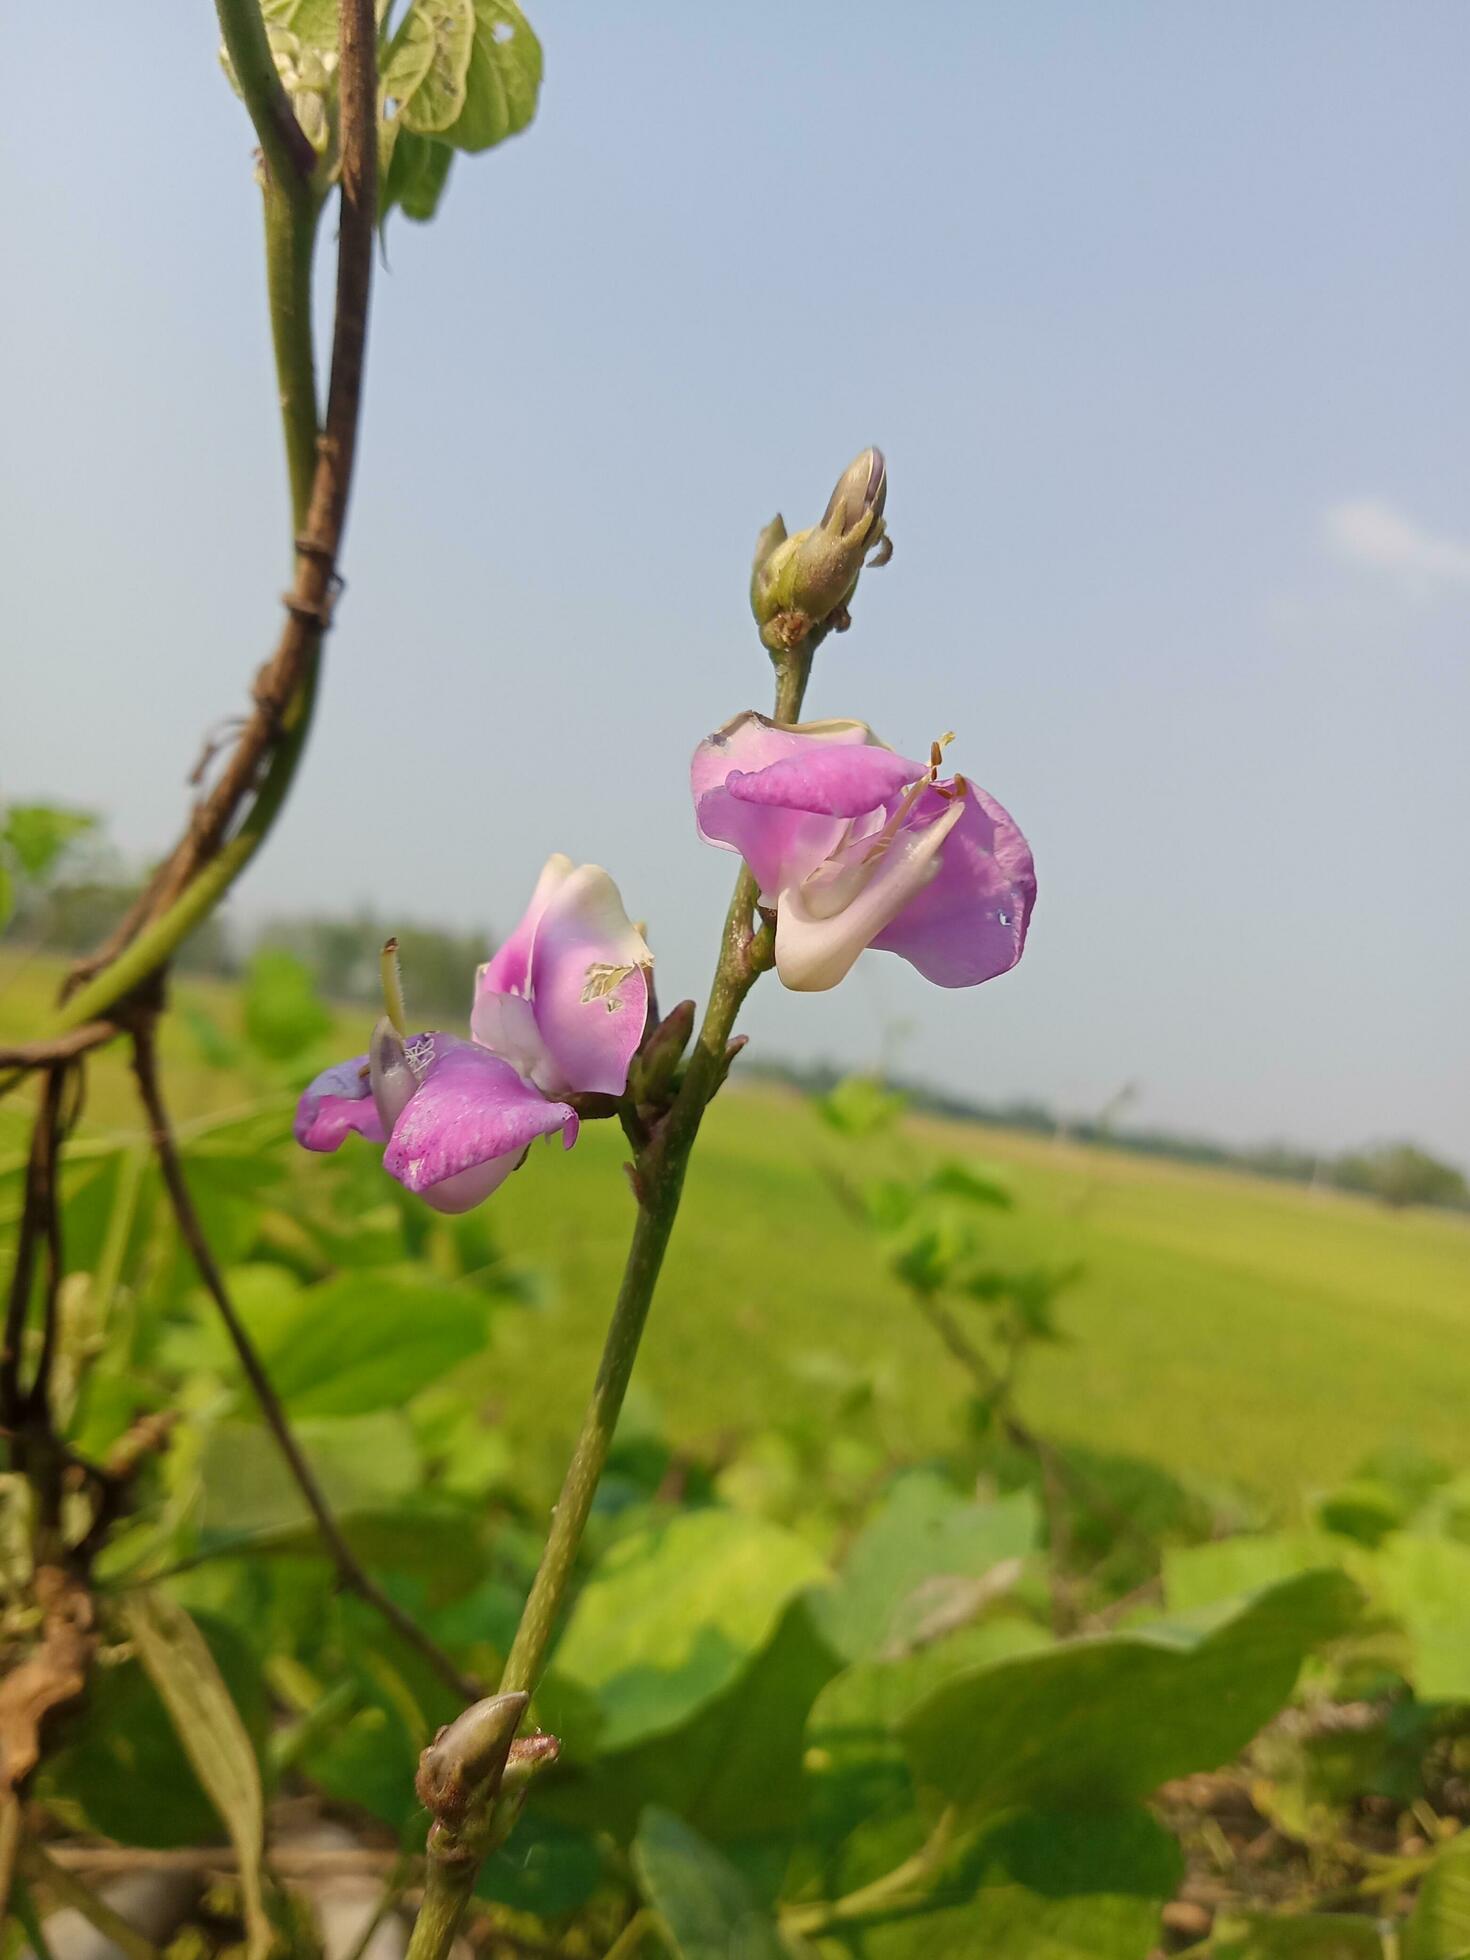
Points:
x=781, y=845
x=969, y=924
x=469, y=1126
x=589, y=986
x=338, y=1102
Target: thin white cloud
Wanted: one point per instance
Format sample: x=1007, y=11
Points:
x=1367, y=531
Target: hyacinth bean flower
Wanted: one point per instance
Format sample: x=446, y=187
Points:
x=559, y=1010
x=566, y=997
x=456, y=1119
x=854, y=846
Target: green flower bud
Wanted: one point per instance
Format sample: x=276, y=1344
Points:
x=802, y=583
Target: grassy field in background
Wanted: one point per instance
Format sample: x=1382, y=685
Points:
x=1226, y=1327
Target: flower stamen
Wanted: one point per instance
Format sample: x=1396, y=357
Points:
x=392, y=979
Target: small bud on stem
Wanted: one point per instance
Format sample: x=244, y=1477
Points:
x=803, y=583
x=652, y=1075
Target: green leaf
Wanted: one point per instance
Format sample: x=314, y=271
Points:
x=503, y=79
x=1425, y=1582
x=703, y=1901
x=1302, y=1936
x=362, y=1342
x=734, y=1770
x=860, y=1106
x=417, y=172
x=957, y=1179
x=427, y=69
x=857, y=1785
x=313, y=22
x=667, y=1622
x=177, y=1660
x=926, y=1554
x=545, y=1869
x=282, y=1013
x=38, y=834
x=1035, y=1886
x=7, y=894
x=364, y=1464
x=1202, y=1575
x=116, y=1745
x=1101, y=1721
x=1439, y=1926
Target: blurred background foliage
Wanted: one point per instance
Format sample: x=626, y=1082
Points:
x=1011, y=1547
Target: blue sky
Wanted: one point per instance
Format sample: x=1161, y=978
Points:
x=1159, y=314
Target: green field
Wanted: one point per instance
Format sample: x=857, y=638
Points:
x=1226, y=1327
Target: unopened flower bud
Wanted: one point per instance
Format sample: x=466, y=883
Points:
x=651, y=1077
x=805, y=582
x=464, y=1764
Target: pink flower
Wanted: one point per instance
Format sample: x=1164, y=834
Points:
x=558, y=1011
x=855, y=846
x=456, y=1119
x=566, y=997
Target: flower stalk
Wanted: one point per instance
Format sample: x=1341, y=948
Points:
x=453, y=1855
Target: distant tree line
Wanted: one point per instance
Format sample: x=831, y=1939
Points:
x=73, y=913
x=1397, y=1174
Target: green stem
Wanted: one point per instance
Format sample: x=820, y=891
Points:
x=661, y=1174
x=284, y=145
x=452, y=1866
x=290, y=244
x=883, y=1894
x=292, y=209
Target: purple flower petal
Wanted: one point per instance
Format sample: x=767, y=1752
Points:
x=823, y=925
x=469, y=1126
x=781, y=846
x=339, y=1101
x=589, y=986
x=969, y=924
x=509, y=970
x=827, y=781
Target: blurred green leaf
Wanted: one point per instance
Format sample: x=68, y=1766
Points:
x=282, y=1013
x=38, y=834
x=1105, y=1720
x=669, y=1620
x=860, y=1106
x=1302, y=1936
x=1425, y=1582
x=857, y=1783
x=362, y=1342
x=7, y=894
x=1439, y=1926
x=1064, y=1885
x=706, y=1905
x=1196, y=1576
x=177, y=1660
x=363, y=1463
x=1365, y=1509
x=956, y=1179
x=545, y=1868
x=733, y=1770
x=418, y=170
x=313, y=22
x=921, y=1556
x=116, y=1765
